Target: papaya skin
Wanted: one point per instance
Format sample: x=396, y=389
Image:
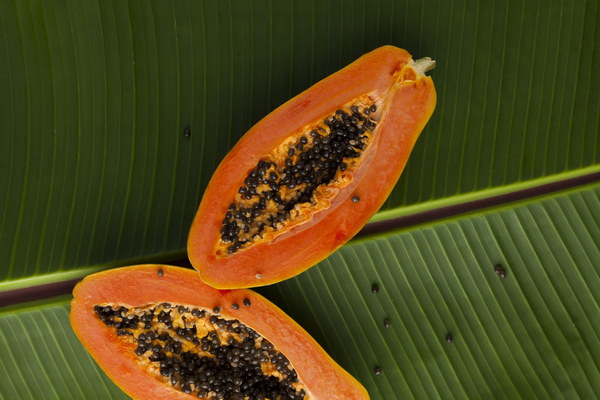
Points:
x=408, y=99
x=141, y=284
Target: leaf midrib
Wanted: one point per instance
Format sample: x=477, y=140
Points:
x=49, y=285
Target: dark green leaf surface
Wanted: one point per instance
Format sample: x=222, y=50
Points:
x=533, y=334
x=95, y=168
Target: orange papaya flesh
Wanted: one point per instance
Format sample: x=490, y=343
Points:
x=159, y=332
x=307, y=177
x=298, y=178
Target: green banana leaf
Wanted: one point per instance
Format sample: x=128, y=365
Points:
x=98, y=170
x=534, y=333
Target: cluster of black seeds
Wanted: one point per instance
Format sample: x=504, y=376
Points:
x=274, y=188
x=204, y=366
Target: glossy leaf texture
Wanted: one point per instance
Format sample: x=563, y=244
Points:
x=98, y=96
x=533, y=334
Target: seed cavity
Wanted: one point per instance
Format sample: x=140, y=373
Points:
x=298, y=178
x=200, y=353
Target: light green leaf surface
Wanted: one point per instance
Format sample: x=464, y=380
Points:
x=42, y=358
x=95, y=170
x=533, y=334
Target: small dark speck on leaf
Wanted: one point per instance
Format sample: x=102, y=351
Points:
x=375, y=288
x=500, y=271
x=377, y=370
x=187, y=132
x=449, y=338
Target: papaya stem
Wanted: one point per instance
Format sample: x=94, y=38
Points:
x=423, y=65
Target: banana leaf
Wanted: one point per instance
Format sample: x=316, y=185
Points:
x=457, y=327
x=114, y=114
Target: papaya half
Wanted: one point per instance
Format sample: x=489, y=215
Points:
x=159, y=332
x=308, y=176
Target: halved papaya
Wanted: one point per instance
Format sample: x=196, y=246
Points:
x=159, y=332
x=307, y=177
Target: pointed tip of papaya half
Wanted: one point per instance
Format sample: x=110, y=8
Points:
x=142, y=285
x=284, y=242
